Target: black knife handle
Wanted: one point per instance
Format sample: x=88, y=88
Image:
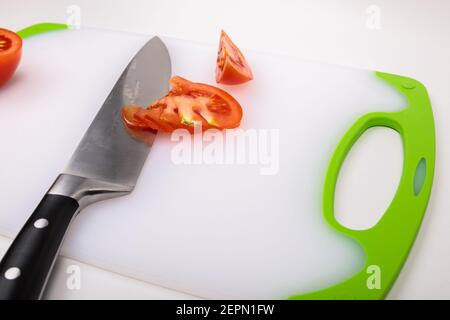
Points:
x=25, y=268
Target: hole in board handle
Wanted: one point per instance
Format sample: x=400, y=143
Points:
x=419, y=176
x=369, y=178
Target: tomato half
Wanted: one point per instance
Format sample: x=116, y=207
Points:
x=10, y=53
x=232, y=68
x=186, y=104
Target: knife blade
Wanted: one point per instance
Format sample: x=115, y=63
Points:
x=106, y=164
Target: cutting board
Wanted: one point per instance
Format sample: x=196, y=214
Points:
x=255, y=229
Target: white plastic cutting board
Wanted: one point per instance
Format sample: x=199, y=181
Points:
x=212, y=230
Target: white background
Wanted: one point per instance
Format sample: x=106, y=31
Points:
x=413, y=39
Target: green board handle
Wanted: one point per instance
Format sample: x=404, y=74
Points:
x=387, y=244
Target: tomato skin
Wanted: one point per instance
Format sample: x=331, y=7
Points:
x=10, y=54
x=232, y=67
x=186, y=104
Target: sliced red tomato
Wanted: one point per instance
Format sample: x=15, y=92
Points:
x=232, y=68
x=10, y=53
x=144, y=135
x=128, y=115
x=186, y=104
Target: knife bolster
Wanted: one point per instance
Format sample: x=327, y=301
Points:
x=87, y=190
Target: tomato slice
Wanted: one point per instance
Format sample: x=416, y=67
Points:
x=10, y=53
x=232, y=68
x=130, y=119
x=186, y=104
x=144, y=135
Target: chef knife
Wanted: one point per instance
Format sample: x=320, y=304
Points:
x=106, y=164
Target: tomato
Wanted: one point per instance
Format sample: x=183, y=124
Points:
x=10, y=53
x=186, y=104
x=130, y=118
x=232, y=68
x=143, y=135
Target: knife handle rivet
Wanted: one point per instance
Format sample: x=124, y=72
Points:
x=40, y=223
x=12, y=273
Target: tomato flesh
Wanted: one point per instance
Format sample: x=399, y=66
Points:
x=185, y=105
x=10, y=54
x=232, y=67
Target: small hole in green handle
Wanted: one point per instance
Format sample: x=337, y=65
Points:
x=419, y=176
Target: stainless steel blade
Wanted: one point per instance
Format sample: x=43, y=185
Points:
x=107, y=152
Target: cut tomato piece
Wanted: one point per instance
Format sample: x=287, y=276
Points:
x=153, y=118
x=201, y=101
x=185, y=105
x=232, y=68
x=144, y=135
x=137, y=126
x=10, y=54
x=130, y=119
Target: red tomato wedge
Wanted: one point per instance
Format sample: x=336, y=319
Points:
x=10, y=53
x=186, y=104
x=232, y=68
